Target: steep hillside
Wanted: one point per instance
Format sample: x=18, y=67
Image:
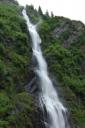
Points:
x=63, y=43
x=16, y=105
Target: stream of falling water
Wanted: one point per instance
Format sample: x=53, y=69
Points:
x=48, y=97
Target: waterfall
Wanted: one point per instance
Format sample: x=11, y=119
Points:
x=48, y=97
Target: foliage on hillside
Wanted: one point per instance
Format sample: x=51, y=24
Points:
x=16, y=105
x=9, y=2
x=65, y=60
x=63, y=43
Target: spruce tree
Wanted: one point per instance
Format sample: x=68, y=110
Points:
x=40, y=11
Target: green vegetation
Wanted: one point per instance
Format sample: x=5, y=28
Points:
x=16, y=105
x=65, y=65
x=33, y=14
x=63, y=43
x=14, y=110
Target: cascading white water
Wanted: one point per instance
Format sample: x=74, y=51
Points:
x=48, y=96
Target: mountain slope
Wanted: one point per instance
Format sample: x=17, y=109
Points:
x=63, y=44
x=16, y=105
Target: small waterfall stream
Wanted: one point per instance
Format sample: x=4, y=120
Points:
x=48, y=96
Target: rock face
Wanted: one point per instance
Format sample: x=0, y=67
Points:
x=70, y=31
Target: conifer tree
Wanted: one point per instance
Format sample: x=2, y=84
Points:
x=47, y=13
x=40, y=11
